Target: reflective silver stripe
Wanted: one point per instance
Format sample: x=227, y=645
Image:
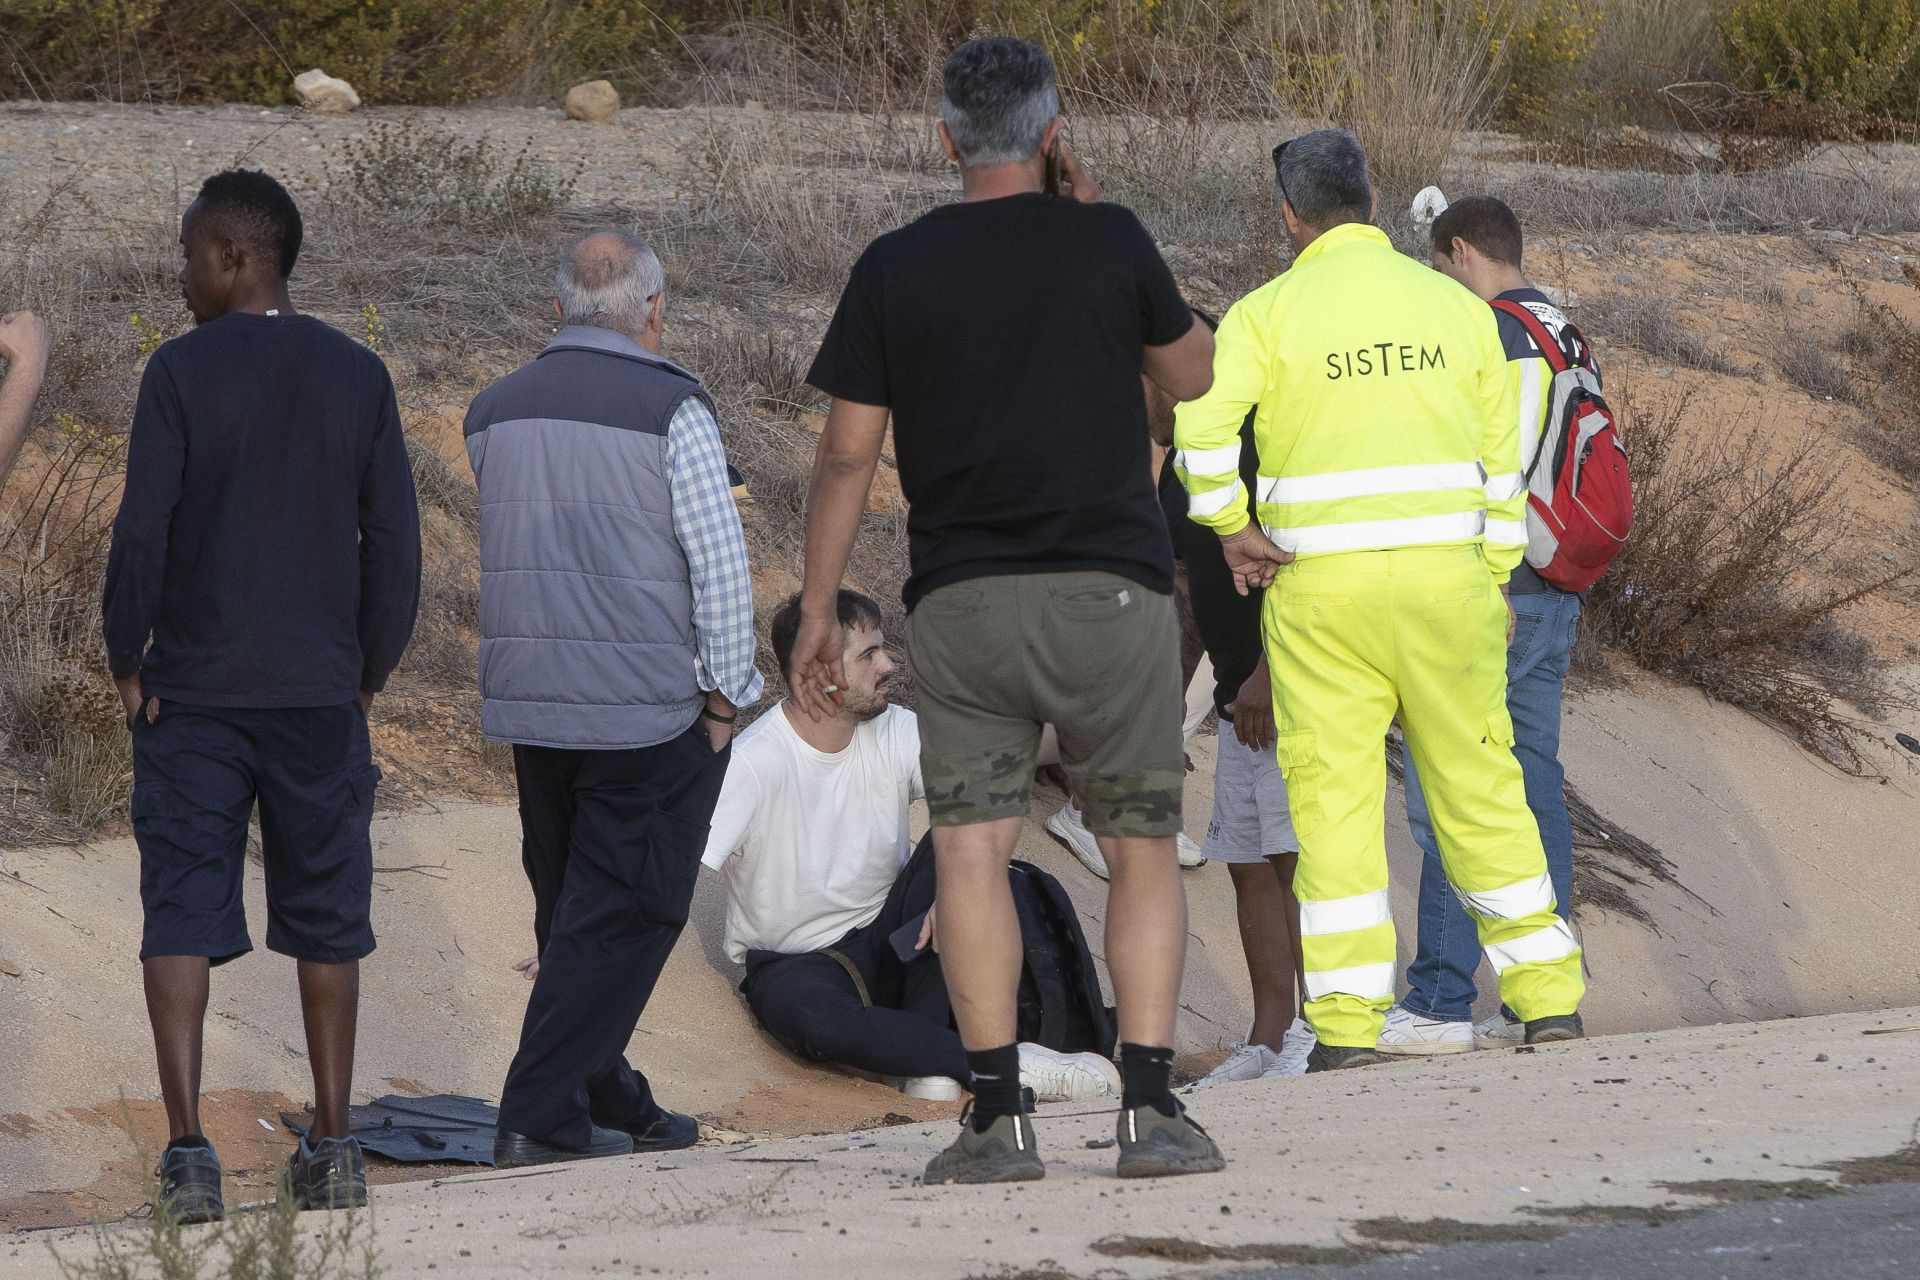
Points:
x=1214, y=501
x=1532, y=429
x=1209, y=462
x=1372, y=482
x=1542, y=946
x=1368, y=981
x=1507, y=533
x=1502, y=487
x=1344, y=915
x=1368, y=535
x=1514, y=902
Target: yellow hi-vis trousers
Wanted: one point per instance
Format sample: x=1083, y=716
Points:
x=1352, y=641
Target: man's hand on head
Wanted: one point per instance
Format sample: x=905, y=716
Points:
x=1252, y=558
x=819, y=672
x=1074, y=178
x=24, y=342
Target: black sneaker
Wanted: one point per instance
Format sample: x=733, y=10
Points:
x=1565, y=1026
x=190, y=1184
x=1155, y=1145
x=512, y=1150
x=1338, y=1057
x=331, y=1174
x=1003, y=1153
x=670, y=1131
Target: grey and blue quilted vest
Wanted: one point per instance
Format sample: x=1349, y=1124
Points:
x=586, y=607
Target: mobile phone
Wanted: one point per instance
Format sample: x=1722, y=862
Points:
x=1052, y=182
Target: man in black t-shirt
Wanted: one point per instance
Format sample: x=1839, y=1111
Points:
x=1006, y=334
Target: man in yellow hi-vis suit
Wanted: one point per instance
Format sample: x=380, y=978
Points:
x=1393, y=511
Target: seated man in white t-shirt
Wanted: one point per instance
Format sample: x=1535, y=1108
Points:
x=832, y=921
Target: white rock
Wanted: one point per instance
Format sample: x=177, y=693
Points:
x=596, y=102
x=319, y=91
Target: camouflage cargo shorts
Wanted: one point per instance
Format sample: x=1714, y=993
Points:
x=1093, y=654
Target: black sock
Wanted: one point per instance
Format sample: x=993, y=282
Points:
x=994, y=1077
x=1146, y=1074
x=191, y=1140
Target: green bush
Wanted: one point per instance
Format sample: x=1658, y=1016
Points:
x=1861, y=55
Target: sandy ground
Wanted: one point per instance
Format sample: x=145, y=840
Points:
x=1615, y=1121
x=1796, y=899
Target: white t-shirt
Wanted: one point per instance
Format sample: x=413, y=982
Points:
x=811, y=843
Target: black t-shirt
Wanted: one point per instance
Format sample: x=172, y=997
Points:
x=1228, y=622
x=1006, y=335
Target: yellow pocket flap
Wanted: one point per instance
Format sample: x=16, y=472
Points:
x=1296, y=748
x=1500, y=728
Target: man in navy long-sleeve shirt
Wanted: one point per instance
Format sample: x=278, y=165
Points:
x=262, y=585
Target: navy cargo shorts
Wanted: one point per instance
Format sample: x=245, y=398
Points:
x=197, y=772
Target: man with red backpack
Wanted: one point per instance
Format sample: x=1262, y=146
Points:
x=1477, y=242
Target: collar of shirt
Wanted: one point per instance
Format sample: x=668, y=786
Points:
x=1345, y=234
x=587, y=337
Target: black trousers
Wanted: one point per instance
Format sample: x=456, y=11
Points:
x=896, y=1020
x=611, y=841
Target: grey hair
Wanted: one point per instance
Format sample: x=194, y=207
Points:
x=998, y=97
x=608, y=277
x=1323, y=175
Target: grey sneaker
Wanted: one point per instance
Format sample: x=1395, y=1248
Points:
x=1153, y=1145
x=190, y=1185
x=1338, y=1057
x=1004, y=1153
x=332, y=1174
x=1553, y=1030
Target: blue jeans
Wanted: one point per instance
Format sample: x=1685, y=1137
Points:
x=1440, y=979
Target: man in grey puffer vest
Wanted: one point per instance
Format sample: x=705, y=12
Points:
x=616, y=621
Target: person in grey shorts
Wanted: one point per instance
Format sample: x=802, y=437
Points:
x=1006, y=336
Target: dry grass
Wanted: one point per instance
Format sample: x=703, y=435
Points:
x=1888, y=348
x=1712, y=588
x=1406, y=78
x=1805, y=361
x=1642, y=319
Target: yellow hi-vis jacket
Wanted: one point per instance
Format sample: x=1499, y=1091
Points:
x=1386, y=414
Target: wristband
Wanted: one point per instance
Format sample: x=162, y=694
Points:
x=708, y=713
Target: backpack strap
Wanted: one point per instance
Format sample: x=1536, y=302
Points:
x=1550, y=348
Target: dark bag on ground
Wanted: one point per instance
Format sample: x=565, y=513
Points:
x=1061, y=1004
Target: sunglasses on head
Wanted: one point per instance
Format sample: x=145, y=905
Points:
x=1280, y=181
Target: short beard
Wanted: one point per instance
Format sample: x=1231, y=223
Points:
x=861, y=712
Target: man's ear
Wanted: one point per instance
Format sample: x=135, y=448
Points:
x=946, y=142
x=1289, y=218
x=1051, y=136
x=1373, y=206
x=232, y=255
x=657, y=313
x=558, y=312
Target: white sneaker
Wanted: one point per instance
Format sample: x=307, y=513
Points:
x=1071, y=829
x=1246, y=1062
x=1409, y=1033
x=1295, y=1045
x=1497, y=1033
x=932, y=1088
x=1067, y=1077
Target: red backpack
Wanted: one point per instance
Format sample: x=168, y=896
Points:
x=1579, y=499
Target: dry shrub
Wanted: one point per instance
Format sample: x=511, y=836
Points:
x=1407, y=78
x=1888, y=346
x=1713, y=587
x=443, y=485
x=1644, y=320
x=1807, y=364
x=423, y=173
